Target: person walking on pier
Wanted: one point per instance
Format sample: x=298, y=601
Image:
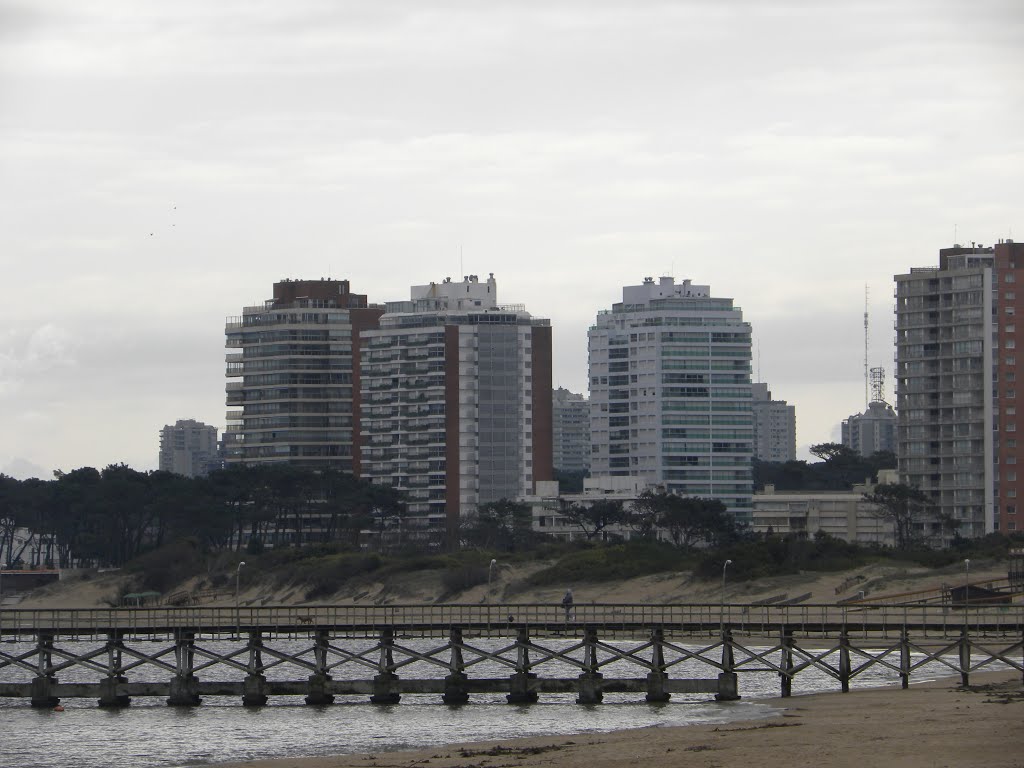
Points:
x=567, y=604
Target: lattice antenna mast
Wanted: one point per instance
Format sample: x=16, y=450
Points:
x=866, y=379
x=878, y=385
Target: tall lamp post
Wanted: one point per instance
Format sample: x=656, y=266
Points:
x=490, y=575
x=721, y=612
x=238, y=619
x=967, y=588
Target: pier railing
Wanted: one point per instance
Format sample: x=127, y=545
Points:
x=320, y=652
x=434, y=620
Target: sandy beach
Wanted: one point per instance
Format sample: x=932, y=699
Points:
x=932, y=725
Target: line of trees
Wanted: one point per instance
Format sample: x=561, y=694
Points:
x=108, y=517
x=507, y=526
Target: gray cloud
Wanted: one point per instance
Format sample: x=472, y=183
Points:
x=162, y=164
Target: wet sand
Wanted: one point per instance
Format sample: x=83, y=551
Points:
x=932, y=725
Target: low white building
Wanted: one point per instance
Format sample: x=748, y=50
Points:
x=842, y=514
x=547, y=505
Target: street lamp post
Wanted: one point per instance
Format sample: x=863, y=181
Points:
x=490, y=575
x=238, y=620
x=967, y=588
x=721, y=612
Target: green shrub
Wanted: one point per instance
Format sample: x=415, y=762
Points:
x=459, y=578
x=160, y=570
x=609, y=563
x=326, y=575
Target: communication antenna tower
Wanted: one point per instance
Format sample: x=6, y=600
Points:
x=866, y=401
x=878, y=385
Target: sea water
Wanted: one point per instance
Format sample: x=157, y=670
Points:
x=149, y=734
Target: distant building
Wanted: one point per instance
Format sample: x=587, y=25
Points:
x=570, y=431
x=871, y=431
x=456, y=401
x=188, y=448
x=841, y=514
x=774, y=426
x=294, y=379
x=875, y=429
x=547, y=503
x=670, y=396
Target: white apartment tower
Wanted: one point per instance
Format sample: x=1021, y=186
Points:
x=456, y=401
x=774, y=426
x=670, y=392
x=188, y=448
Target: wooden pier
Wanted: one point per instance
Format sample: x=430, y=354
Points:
x=383, y=652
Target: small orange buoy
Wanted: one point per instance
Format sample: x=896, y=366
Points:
x=58, y=708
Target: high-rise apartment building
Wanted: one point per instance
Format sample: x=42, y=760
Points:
x=294, y=370
x=571, y=431
x=456, y=393
x=188, y=448
x=871, y=431
x=875, y=429
x=956, y=368
x=1009, y=300
x=670, y=392
x=774, y=426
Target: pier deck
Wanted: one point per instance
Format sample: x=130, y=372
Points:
x=321, y=652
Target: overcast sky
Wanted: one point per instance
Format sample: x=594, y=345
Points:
x=163, y=163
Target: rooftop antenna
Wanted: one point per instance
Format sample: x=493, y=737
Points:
x=866, y=401
x=878, y=385
x=461, y=270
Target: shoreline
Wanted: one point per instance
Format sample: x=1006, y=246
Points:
x=930, y=725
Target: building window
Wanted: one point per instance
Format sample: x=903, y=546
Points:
x=1011, y=509
x=1010, y=344
x=1010, y=296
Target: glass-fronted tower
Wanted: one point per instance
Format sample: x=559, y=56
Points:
x=670, y=392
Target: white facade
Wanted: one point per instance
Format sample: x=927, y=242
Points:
x=188, y=448
x=670, y=392
x=547, y=503
x=448, y=401
x=774, y=426
x=841, y=514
